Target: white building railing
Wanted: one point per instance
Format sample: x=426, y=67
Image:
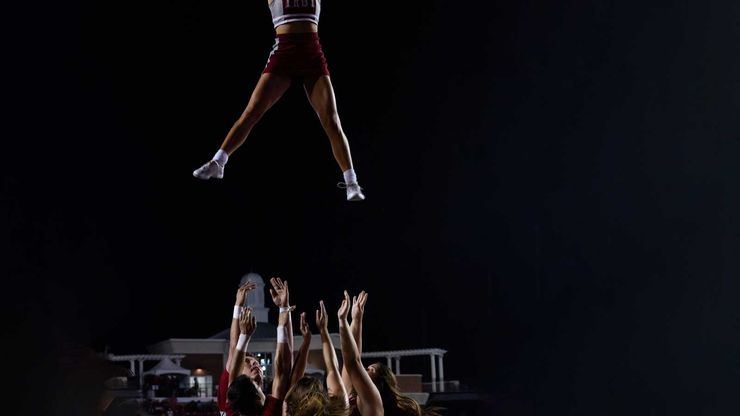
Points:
x=436, y=356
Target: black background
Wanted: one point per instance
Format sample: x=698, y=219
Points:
x=551, y=190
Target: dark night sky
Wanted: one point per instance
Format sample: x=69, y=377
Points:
x=552, y=188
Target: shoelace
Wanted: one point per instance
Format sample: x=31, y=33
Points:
x=208, y=165
x=344, y=185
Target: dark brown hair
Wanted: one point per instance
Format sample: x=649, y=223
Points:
x=395, y=403
x=243, y=396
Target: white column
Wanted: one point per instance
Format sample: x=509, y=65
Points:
x=388, y=362
x=441, y=368
x=398, y=365
x=131, y=367
x=441, y=373
x=434, y=367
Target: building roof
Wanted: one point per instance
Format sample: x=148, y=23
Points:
x=143, y=357
x=167, y=366
x=405, y=353
x=265, y=330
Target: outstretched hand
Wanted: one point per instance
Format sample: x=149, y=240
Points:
x=358, y=306
x=247, y=322
x=241, y=293
x=279, y=292
x=344, y=309
x=321, y=319
x=305, y=330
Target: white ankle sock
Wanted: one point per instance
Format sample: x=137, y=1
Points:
x=221, y=157
x=349, y=176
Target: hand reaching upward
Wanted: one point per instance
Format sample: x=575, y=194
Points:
x=305, y=330
x=279, y=292
x=322, y=321
x=358, y=306
x=299, y=365
x=369, y=402
x=358, y=312
x=247, y=322
x=244, y=289
x=344, y=309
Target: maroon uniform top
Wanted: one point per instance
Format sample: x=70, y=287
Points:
x=288, y=11
x=223, y=387
x=273, y=405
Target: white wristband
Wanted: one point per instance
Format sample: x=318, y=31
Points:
x=237, y=311
x=282, y=335
x=284, y=309
x=241, y=344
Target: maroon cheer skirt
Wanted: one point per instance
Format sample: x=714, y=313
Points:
x=297, y=55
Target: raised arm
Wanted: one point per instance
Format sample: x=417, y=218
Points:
x=369, y=402
x=247, y=326
x=355, y=328
x=284, y=351
x=299, y=366
x=241, y=296
x=334, y=383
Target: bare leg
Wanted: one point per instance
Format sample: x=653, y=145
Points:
x=268, y=91
x=321, y=95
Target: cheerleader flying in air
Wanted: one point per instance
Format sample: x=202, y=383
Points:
x=297, y=55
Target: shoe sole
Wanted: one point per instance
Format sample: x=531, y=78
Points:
x=207, y=178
